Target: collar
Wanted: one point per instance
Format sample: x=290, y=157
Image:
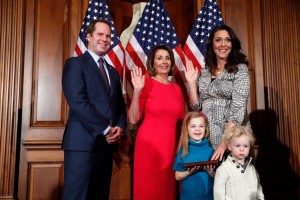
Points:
x=240, y=167
x=94, y=56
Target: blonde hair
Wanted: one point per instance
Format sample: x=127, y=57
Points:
x=184, y=137
x=238, y=131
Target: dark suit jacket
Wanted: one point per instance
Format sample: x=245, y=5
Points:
x=92, y=107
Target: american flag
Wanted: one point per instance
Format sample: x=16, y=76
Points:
x=154, y=28
x=195, y=46
x=98, y=9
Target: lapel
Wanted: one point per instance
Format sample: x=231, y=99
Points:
x=110, y=75
x=91, y=62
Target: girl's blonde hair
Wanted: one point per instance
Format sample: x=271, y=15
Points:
x=184, y=137
x=238, y=131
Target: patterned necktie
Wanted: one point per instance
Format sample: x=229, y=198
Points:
x=103, y=72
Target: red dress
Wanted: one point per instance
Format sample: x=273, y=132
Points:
x=162, y=106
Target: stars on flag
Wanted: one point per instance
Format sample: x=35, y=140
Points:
x=208, y=17
x=98, y=10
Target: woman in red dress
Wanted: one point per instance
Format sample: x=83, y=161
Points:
x=160, y=104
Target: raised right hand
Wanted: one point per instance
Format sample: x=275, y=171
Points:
x=190, y=72
x=137, y=78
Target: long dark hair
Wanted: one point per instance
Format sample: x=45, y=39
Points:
x=235, y=57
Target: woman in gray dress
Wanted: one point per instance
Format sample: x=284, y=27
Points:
x=222, y=89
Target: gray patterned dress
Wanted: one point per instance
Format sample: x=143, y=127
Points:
x=223, y=99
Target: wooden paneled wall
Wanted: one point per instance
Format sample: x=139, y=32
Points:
x=281, y=53
x=282, y=60
x=48, y=41
x=36, y=38
x=11, y=56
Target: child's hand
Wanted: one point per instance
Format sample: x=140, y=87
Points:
x=210, y=169
x=194, y=169
x=179, y=175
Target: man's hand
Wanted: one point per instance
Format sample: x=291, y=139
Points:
x=114, y=135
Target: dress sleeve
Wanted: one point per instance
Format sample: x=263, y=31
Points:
x=181, y=102
x=178, y=164
x=240, y=94
x=197, y=106
x=144, y=95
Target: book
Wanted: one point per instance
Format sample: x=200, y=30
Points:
x=201, y=164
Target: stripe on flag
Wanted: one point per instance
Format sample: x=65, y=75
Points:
x=98, y=9
x=195, y=46
x=154, y=28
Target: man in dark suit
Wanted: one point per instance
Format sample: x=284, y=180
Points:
x=97, y=118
